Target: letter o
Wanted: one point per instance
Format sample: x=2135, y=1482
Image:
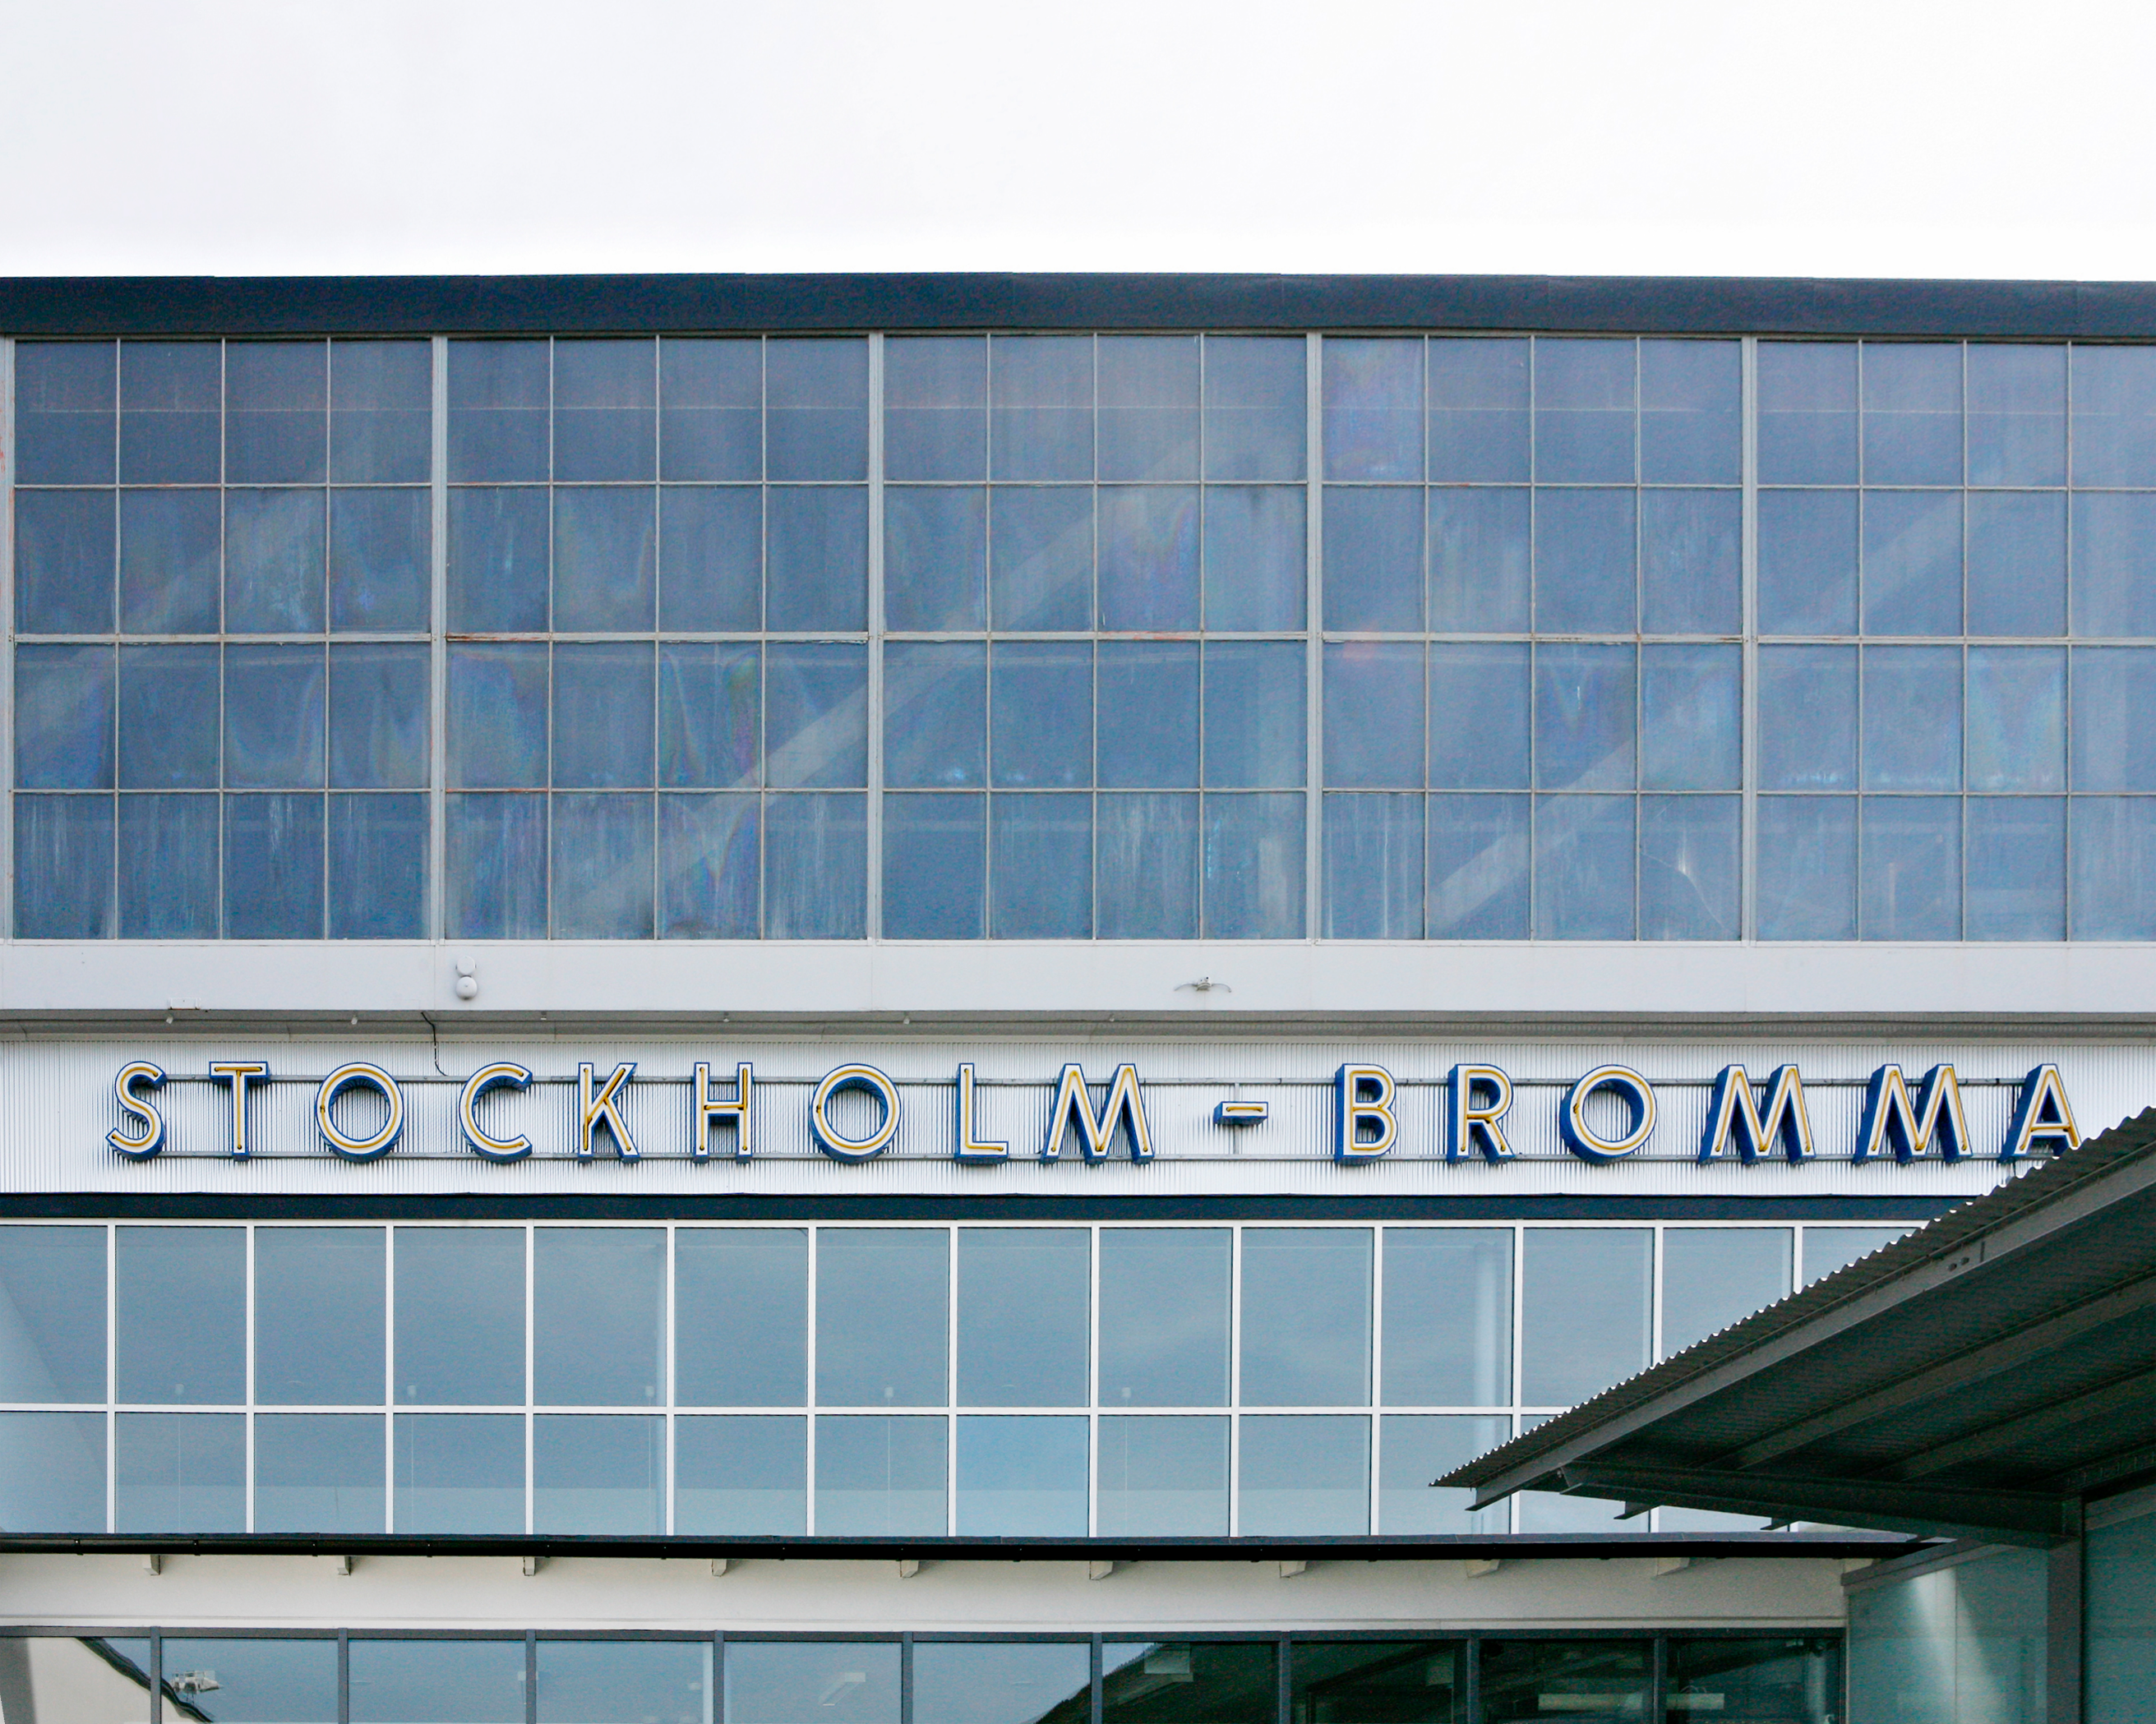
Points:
x=359, y=1075
x=835, y=1143
x=1639, y=1097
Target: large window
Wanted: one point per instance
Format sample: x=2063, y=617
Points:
x=638, y=1380
x=1065, y=637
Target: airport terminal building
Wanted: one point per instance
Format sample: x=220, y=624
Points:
x=890, y=1000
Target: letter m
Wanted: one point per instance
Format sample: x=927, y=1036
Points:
x=1124, y=1106
x=1732, y=1120
x=1911, y=1129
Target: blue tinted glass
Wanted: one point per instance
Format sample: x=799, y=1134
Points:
x=273, y=867
x=1584, y=867
x=1373, y=867
x=168, y=701
x=273, y=717
x=2114, y=430
x=816, y=424
x=603, y=714
x=2114, y=545
x=1585, y=559
x=1479, y=716
x=276, y=413
x=169, y=395
x=1305, y=1317
x=936, y=718
x=603, y=886
x=1041, y=697
x=2114, y=860
x=496, y=864
x=1480, y=559
x=64, y=543
x=1807, y=413
x=1807, y=867
x=1041, y=856
x=1254, y=714
x=1807, y=718
x=1478, y=410
x=2114, y=713
x=498, y=425
x=1374, y=573
x=1148, y=415
x=497, y=561
x=1690, y=576
x=1583, y=717
x=63, y=717
x=1479, y=853
x=2017, y=702
x=1256, y=410
x=708, y=867
x=1420, y=1447
x=52, y=1474
x=815, y=867
x=382, y=412
x=1021, y=1477
x=762, y=1273
x=168, y=879
x=1147, y=735
x=1374, y=714
x=63, y=880
x=1912, y=562
x=935, y=407
x=1808, y=562
x=1040, y=561
x=179, y=1472
x=168, y=546
x=818, y=549
x=874, y=1478
x=935, y=556
x=882, y=1303
x=377, y=867
x=459, y=1303
x=1913, y=718
x=1911, y=887
x=1040, y=406
x=604, y=557
x=1373, y=408
x=2016, y=868
x=454, y=1472
x=2017, y=414
x=378, y=715
x=935, y=866
x=472, y=1681
x=605, y=410
x=1690, y=717
x=497, y=715
x=1305, y=1475
x=1148, y=557
x=1145, y=867
x=1256, y=553
x=1585, y=397
x=1688, y=867
x=314, y=1472
x=381, y=559
x=1254, y=867
x=186, y=1350
x=815, y=715
x=708, y=707
x=711, y=409
x=1912, y=412
x=64, y=428
x=1689, y=428
x=2017, y=564
x=710, y=557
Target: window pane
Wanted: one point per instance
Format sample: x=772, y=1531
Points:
x=169, y=889
x=1479, y=716
x=274, y=561
x=497, y=715
x=710, y=557
x=935, y=556
x=1306, y=1329
x=815, y=867
x=52, y=1289
x=1584, y=856
x=1189, y=1682
x=1689, y=412
x=1448, y=1317
x=380, y=558
x=318, y=1316
x=602, y=714
x=2016, y=718
x=458, y=1472
x=1478, y=409
x=1912, y=552
x=1373, y=867
x=1164, y=1316
x=179, y=1472
x=881, y=1296
x=52, y=1472
x=817, y=546
x=497, y=867
x=1373, y=566
x=1256, y=550
x=817, y=422
x=180, y=1333
x=2016, y=865
x=741, y=1298
x=1912, y=425
x=377, y=867
x=1148, y=418
x=1689, y=578
x=1147, y=546
x=1001, y=1682
x=1714, y=1276
x=2114, y=545
x=935, y=418
x=605, y=396
x=708, y=867
x=1042, y=694
x=1534, y=1679
x=599, y=1316
x=1041, y=867
x=1779, y=1677
x=1040, y=406
x=1480, y=553
x=815, y=720
x=460, y=1316
x=64, y=396
x=1479, y=848
x=168, y=412
x=497, y=410
x=294, y=1681
x=1162, y=1478
x=63, y=874
x=1807, y=413
x=63, y=717
x=1373, y=408
x=935, y=866
x=1021, y=1322
x=740, y=1477
x=1807, y=868
x=273, y=717
x=605, y=557
x=65, y=546
x=1808, y=562
x=1417, y=1448
x=1583, y=1321
x=1912, y=732
x=1583, y=717
x=599, y=1474
x=1304, y=1476
x=1255, y=714
x=498, y=561
x=711, y=409
x=380, y=412
x=168, y=562
x=2017, y=413
x=2114, y=696
x=1828, y=1248
x=1254, y=862
x=1690, y=717
x=709, y=707
x=1585, y=397
x=1147, y=714
x=431, y=1681
x=1688, y=867
x=168, y=700
x=2017, y=564
x=1256, y=411
x=1910, y=888
x=624, y=1682
x=777, y=1682
x=1040, y=565
x=878, y=1478
x=1374, y=714
x=1021, y=1477
x=1145, y=867
x=2114, y=430
x=1807, y=718
x=319, y=1472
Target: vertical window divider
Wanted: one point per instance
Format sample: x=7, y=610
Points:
x=8, y=602
x=343, y=1674
x=873, y=814
x=1283, y=1677
x=1658, y=1678
x=1961, y=669
x=1093, y=1679
x=530, y=1676
x=1313, y=558
x=905, y=1679
x=156, y=1676
x=1747, y=539
x=438, y=751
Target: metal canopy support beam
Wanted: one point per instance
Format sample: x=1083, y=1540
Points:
x=2128, y=1394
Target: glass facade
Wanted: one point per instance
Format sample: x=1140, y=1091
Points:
x=844, y=1380
x=1066, y=636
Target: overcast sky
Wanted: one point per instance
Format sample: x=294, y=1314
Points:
x=1872, y=137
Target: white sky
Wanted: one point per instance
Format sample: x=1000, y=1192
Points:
x=1849, y=137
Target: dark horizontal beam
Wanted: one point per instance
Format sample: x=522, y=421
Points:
x=2029, y=1430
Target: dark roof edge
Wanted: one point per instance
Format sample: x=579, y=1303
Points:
x=502, y=304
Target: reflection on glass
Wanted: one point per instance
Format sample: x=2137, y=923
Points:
x=877, y=1477
x=1479, y=848
x=1416, y=1448
x=1373, y=867
x=458, y=1472
x=52, y=1473
x=1378, y=1682
x=181, y=1315
x=598, y=1473
x=1807, y=868
x=179, y=1472
x=1189, y=1682
x=437, y=1682
x=1585, y=853
x=1022, y=1322
x=1584, y=1322
x=286, y=1681
x=741, y=1475
x=52, y=1314
x=625, y=1681
x=599, y=1315
x=742, y=1302
x=1001, y=1682
x=1448, y=1317
x=2016, y=868
x=1714, y=1276
x=1162, y=1477
x=318, y=1315
x=1535, y=1679
x=1688, y=867
x=1798, y=1678
x=881, y=1297
x=1305, y=1329
x=1021, y=1477
x=812, y=1682
x=1304, y=1474
x=318, y=1472
x=460, y=1316
x=1910, y=886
